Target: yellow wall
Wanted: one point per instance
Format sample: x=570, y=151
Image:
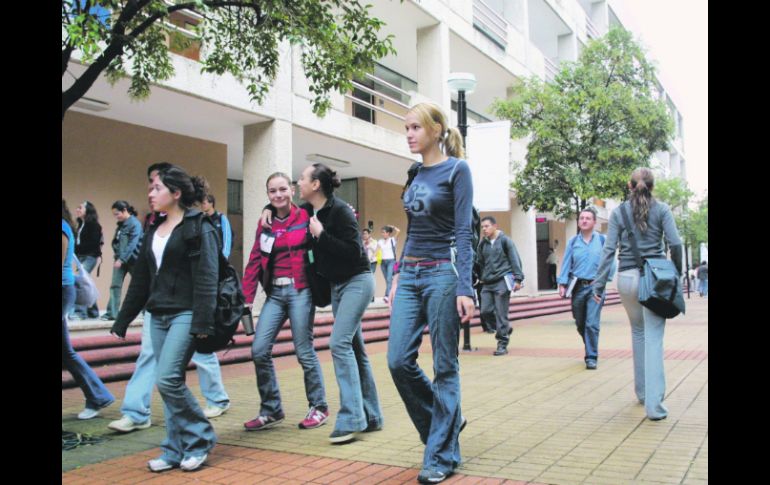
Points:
x=105, y=160
x=380, y=202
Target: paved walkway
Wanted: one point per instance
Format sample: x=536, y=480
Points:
x=535, y=416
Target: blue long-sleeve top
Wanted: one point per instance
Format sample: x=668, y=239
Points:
x=582, y=259
x=227, y=236
x=439, y=206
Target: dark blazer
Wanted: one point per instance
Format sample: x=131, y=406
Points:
x=174, y=288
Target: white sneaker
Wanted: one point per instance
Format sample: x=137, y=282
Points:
x=214, y=411
x=126, y=424
x=193, y=463
x=88, y=413
x=159, y=465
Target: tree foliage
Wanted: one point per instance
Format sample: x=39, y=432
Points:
x=692, y=224
x=128, y=38
x=589, y=127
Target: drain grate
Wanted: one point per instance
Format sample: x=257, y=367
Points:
x=70, y=440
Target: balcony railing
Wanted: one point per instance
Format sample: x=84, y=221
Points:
x=591, y=30
x=551, y=69
x=490, y=23
x=179, y=24
x=374, y=95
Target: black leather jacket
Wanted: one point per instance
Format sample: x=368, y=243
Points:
x=174, y=288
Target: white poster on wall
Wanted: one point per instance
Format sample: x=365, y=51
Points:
x=488, y=154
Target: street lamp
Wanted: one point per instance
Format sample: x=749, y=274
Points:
x=463, y=82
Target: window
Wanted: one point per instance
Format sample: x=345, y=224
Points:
x=234, y=196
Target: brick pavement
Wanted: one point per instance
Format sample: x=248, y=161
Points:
x=535, y=415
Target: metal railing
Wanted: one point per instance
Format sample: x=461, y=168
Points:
x=591, y=30
x=380, y=95
x=490, y=23
x=551, y=69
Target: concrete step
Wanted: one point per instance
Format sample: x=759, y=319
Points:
x=114, y=360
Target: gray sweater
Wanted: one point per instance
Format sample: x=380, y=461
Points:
x=499, y=259
x=660, y=223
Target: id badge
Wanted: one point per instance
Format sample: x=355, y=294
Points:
x=266, y=242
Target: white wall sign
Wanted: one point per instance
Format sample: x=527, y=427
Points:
x=488, y=147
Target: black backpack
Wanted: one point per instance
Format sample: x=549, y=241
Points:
x=230, y=299
x=475, y=221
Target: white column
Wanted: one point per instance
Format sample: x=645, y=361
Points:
x=567, y=47
x=267, y=148
x=433, y=65
x=524, y=236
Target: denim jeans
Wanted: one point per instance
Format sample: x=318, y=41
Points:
x=373, y=267
x=297, y=305
x=97, y=395
x=359, y=404
x=427, y=295
x=495, y=301
x=647, y=328
x=387, y=271
x=89, y=263
x=138, y=395
x=188, y=432
x=587, y=314
x=116, y=288
x=704, y=288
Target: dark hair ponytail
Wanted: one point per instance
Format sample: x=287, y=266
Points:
x=642, y=183
x=193, y=189
x=122, y=205
x=328, y=178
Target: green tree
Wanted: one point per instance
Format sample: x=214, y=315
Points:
x=126, y=38
x=589, y=127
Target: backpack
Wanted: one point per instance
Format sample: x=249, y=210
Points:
x=475, y=222
x=230, y=299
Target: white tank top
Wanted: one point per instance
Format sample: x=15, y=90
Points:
x=158, y=245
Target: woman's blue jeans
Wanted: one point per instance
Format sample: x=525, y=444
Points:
x=297, y=305
x=138, y=395
x=427, y=295
x=387, y=271
x=97, y=395
x=89, y=263
x=188, y=432
x=359, y=404
x=647, y=329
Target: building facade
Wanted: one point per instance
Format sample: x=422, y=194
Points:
x=208, y=125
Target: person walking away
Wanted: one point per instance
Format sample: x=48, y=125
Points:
x=651, y=222
x=88, y=249
x=387, y=247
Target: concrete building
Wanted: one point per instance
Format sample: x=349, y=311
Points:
x=208, y=125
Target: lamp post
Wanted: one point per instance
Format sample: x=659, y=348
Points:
x=463, y=82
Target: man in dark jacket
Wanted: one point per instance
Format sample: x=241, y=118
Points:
x=500, y=274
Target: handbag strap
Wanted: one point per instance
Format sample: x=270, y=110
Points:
x=632, y=237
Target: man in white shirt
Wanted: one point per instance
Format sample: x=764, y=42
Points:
x=388, y=245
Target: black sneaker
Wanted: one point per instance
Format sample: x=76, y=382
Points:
x=340, y=437
x=373, y=426
x=107, y=318
x=591, y=364
x=501, y=350
x=431, y=476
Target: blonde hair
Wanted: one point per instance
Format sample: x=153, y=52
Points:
x=450, y=139
x=642, y=183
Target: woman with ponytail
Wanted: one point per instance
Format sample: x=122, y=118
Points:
x=433, y=285
x=652, y=220
x=339, y=256
x=181, y=304
x=125, y=247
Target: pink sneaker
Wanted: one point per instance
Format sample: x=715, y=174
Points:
x=314, y=418
x=263, y=422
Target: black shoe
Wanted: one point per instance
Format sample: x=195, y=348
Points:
x=658, y=419
x=373, y=426
x=501, y=350
x=432, y=476
x=591, y=364
x=341, y=437
x=107, y=318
